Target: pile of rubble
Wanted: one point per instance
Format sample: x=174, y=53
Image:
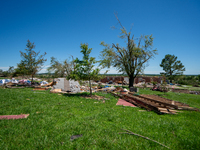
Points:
x=74, y=86
x=13, y=83
x=155, y=103
x=62, y=85
x=71, y=86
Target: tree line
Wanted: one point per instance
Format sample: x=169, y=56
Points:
x=130, y=60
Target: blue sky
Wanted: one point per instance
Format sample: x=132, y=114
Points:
x=58, y=28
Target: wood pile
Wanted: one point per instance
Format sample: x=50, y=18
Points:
x=155, y=103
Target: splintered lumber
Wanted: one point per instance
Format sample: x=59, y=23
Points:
x=140, y=102
x=56, y=91
x=167, y=111
x=181, y=106
x=149, y=105
x=159, y=102
x=188, y=108
x=40, y=89
x=155, y=103
x=156, y=97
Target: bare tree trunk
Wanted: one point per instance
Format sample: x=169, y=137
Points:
x=32, y=79
x=90, y=88
x=131, y=81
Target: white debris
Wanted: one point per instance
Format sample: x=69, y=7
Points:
x=74, y=86
x=125, y=90
x=43, y=83
x=4, y=81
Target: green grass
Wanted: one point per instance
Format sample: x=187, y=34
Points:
x=61, y=116
x=190, y=87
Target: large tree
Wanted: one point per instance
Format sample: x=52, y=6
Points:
x=84, y=69
x=131, y=59
x=60, y=69
x=31, y=62
x=172, y=66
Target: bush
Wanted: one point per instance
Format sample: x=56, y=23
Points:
x=183, y=82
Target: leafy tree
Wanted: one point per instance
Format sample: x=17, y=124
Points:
x=31, y=62
x=172, y=66
x=1, y=72
x=84, y=69
x=131, y=59
x=21, y=69
x=60, y=69
x=198, y=77
x=164, y=84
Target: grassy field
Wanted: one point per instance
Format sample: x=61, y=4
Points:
x=190, y=87
x=54, y=118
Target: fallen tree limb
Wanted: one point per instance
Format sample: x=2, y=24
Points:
x=130, y=132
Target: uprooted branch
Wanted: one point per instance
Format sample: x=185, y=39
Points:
x=130, y=132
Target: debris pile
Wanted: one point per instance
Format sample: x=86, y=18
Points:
x=63, y=85
x=13, y=83
x=160, y=88
x=155, y=103
x=185, y=91
x=74, y=86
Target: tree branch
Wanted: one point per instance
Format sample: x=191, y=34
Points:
x=130, y=132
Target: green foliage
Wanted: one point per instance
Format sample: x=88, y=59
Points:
x=164, y=84
x=154, y=82
x=1, y=72
x=172, y=66
x=60, y=69
x=31, y=62
x=9, y=73
x=198, y=77
x=84, y=69
x=132, y=59
x=189, y=80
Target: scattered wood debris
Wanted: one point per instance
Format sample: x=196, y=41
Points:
x=40, y=89
x=155, y=103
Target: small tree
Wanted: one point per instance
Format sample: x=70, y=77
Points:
x=131, y=59
x=172, y=66
x=1, y=72
x=31, y=62
x=84, y=69
x=164, y=84
x=60, y=69
x=11, y=71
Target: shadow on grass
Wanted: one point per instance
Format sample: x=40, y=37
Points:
x=77, y=94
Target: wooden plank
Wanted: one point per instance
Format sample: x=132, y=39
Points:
x=166, y=104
